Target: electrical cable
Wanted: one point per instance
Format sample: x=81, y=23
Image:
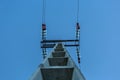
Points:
x=77, y=10
x=43, y=11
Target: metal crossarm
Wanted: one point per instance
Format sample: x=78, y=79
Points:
x=51, y=43
x=56, y=41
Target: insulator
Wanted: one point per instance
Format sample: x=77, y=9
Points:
x=44, y=33
x=78, y=59
x=44, y=53
x=77, y=34
x=77, y=50
x=43, y=26
x=78, y=31
x=77, y=26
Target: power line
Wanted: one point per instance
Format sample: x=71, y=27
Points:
x=43, y=11
x=77, y=10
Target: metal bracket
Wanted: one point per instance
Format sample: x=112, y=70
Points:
x=51, y=43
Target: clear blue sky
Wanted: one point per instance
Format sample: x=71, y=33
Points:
x=20, y=34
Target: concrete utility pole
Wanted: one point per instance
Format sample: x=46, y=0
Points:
x=58, y=65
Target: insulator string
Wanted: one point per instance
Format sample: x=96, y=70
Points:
x=44, y=27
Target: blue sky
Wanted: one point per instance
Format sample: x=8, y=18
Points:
x=20, y=34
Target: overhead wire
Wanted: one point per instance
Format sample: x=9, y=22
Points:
x=43, y=11
x=77, y=10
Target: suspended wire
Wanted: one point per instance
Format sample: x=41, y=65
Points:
x=43, y=11
x=78, y=34
x=77, y=10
